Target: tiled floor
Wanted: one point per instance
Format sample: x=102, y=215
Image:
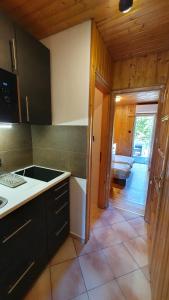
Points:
x=132, y=197
x=111, y=266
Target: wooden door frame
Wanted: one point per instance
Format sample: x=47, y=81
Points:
x=101, y=84
x=161, y=88
x=98, y=82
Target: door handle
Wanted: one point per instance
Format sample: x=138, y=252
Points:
x=27, y=109
x=58, y=197
x=12, y=288
x=13, y=54
x=16, y=231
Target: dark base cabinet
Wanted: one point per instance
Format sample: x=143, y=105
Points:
x=57, y=208
x=29, y=237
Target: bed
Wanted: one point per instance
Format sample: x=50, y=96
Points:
x=123, y=159
x=120, y=171
x=121, y=167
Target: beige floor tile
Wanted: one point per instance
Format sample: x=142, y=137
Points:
x=124, y=231
x=91, y=246
x=95, y=269
x=82, y=297
x=109, y=291
x=42, y=288
x=139, y=225
x=67, y=251
x=135, y=286
x=146, y=272
x=138, y=249
x=67, y=280
x=113, y=216
x=119, y=260
x=106, y=236
x=98, y=222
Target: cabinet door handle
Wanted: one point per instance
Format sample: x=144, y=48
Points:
x=61, y=208
x=20, y=278
x=27, y=109
x=57, y=198
x=16, y=231
x=61, y=229
x=14, y=61
x=61, y=186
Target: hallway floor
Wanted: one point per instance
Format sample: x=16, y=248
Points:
x=113, y=265
x=132, y=197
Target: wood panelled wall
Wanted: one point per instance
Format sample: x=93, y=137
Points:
x=138, y=72
x=101, y=60
x=124, y=128
x=101, y=74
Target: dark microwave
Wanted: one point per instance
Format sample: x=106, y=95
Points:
x=9, y=108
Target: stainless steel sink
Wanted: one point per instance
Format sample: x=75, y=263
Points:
x=3, y=202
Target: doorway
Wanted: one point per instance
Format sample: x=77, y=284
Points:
x=133, y=139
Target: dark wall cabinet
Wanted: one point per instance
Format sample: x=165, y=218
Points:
x=33, y=68
x=29, y=59
x=29, y=237
x=7, y=41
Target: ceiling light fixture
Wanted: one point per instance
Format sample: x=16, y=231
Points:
x=118, y=98
x=125, y=5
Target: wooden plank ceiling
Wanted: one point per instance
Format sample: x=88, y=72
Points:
x=138, y=97
x=141, y=31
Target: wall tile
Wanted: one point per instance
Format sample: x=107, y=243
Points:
x=61, y=147
x=16, y=159
x=17, y=137
x=16, y=147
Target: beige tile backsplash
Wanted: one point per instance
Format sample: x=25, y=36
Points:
x=15, y=147
x=60, y=147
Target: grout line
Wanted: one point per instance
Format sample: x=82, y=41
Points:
x=82, y=274
x=120, y=289
x=131, y=253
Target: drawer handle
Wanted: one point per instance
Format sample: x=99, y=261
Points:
x=61, y=208
x=20, y=278
x=16, y=231
x=57, y=189
x=61, y=195
x=61, y=229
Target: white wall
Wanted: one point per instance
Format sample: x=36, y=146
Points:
x=78, y=206
x=70, y=71
x=146, y=109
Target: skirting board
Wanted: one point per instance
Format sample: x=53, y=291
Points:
x=77, y=237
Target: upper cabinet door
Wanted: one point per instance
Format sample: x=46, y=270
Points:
x=7, y=44
x=33, y=68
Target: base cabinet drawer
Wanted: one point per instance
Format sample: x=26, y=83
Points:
x=57, y=213
x=22, y=232
x=57, y=238
x=57, y=217
x=20, y=276
x=29, y=237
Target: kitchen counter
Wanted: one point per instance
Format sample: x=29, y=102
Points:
x=26, y=192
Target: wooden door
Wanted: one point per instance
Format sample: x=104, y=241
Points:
x=158, y=204
x=105, y=159
x=96, y=145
